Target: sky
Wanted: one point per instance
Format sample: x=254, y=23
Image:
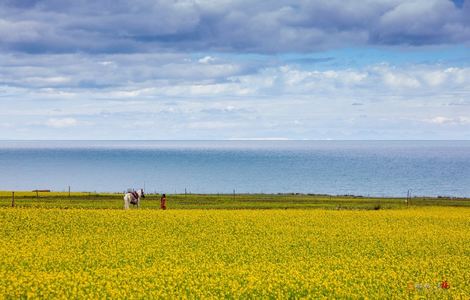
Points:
x=241, y=69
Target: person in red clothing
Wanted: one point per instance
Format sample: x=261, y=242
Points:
x=163, y=202
x=445, y=284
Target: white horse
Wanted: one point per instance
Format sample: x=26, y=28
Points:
x=133, y=198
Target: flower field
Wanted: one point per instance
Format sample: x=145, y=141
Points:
x=76, y=253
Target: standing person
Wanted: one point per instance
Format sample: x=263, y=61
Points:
x=163, y=202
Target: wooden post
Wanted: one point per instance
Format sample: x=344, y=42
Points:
x=12, y=199
x=37, y=194
x=69, y=191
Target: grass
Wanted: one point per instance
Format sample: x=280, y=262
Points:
x=221, y=201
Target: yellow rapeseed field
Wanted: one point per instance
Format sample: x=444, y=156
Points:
x=53, y=253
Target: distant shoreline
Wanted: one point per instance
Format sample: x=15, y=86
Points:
x=45, y=192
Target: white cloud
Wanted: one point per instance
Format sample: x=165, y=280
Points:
x=61, y=122
x=206, y=60
x=440, y=120
x=400, y=80
x=49, y=80
x=211, y=125
x=106, y=63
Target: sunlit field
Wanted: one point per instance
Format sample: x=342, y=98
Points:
x=99, y=253
x=221, y=201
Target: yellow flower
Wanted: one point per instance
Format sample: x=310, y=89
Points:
x=212, y=254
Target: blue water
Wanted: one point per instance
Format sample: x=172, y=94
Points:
x=375, y=168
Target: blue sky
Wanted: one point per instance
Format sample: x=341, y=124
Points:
x=199, y=69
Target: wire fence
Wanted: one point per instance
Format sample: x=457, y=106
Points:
x=93, y=200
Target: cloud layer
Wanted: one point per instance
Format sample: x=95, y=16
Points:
x=199, y=69
x=168, y=96
x=123, y=26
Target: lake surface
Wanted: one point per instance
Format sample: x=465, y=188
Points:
x=375, y=168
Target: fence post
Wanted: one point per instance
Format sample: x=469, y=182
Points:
x=12, y=199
